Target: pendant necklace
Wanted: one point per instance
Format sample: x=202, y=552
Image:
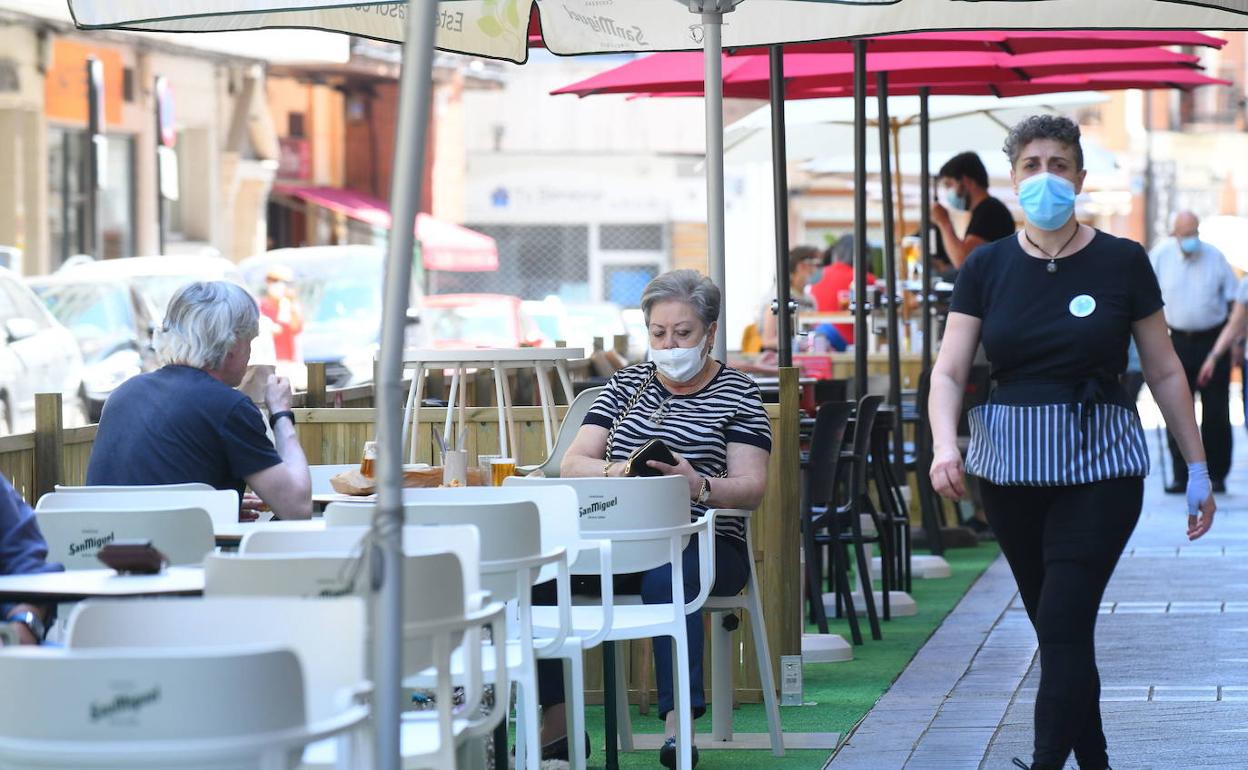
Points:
x=1052, y=268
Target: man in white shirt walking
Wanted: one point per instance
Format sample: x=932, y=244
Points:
x=1198, y=287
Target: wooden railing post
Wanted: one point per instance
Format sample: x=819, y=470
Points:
x=312, y=435
x=49, y=443
x=316, y=385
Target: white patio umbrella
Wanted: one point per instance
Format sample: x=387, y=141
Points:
x=499, y=28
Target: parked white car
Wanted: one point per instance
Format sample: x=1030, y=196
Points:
x=38, y=355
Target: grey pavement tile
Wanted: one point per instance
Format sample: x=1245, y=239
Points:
x=1184, y=694
x=1128, y=608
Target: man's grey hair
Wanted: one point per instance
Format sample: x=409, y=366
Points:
x=688, y=286
x=204, y=320
x=1056, y=127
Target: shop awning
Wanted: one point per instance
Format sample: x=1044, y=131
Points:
x=443, y=245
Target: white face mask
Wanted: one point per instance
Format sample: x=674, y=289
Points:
x=680, y=364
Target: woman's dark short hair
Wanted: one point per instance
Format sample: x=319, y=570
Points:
x=1056, y=127
x=800, y=254
x=965, y=164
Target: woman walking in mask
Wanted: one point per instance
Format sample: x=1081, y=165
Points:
x=1059, y=446
x=712, y=418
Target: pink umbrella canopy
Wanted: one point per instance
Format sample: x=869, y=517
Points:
x=1007, y=41
x=443, y=245
x=748, y=76
x=1182, y=79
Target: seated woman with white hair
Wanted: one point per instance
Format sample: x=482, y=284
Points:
x=187, y=422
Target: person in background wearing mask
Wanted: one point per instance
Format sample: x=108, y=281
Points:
x=837, y=284
x=712, y=419
x=804, y=261
x=1059, y=447
x=1231, y=339
x=1198, y=287
x=962, y=185
x=281, y=305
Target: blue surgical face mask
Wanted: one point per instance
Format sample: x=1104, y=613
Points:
x=1190, y=244
x=954, y=200
x=1048, y=200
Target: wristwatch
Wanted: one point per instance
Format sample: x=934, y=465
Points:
x=273, y=418
x=704, y=494
x=31, y=621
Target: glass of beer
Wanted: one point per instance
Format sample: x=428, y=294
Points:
x=370, y=458
x=500, y=469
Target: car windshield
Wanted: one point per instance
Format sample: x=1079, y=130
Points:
x=157, y=290
x=487, y=324
x=331, y=299
x=95, y=313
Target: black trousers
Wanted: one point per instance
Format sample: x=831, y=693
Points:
x=1062, y=544
x=1215, y=402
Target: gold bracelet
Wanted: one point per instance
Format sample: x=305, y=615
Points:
x=606, y=467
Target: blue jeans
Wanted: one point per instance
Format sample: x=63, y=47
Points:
x=655, y=587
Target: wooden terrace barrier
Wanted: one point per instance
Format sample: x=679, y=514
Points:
x=36, y=462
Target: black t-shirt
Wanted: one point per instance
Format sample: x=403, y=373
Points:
x=991, y=220
x=177, y=425
x=1070, y=325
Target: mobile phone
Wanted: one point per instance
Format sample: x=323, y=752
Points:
x=654, y=449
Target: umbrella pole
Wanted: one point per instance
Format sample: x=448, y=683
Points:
x=780, y=188
x=890, y=266
x=925, y=221
x=712, y=48
x=861, y=308
x=387, y=549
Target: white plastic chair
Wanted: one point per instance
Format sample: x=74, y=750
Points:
x=572, y=420
x=435, y=623
x=75, y=537
x=221, y=504
x=156, y=709
x=557, y=507
x=189, y=486
x=511, y=559
x=647, y=522
x=722, y=657
x=327, y=635
x=321, y=474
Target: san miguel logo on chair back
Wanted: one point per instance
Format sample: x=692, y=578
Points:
x=124, y=706
x=93, y=543
x=599, y=505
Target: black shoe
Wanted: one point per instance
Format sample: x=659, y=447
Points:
x=1219, y=486
x=558, y=749
x=1176, y=488
x=667, y=754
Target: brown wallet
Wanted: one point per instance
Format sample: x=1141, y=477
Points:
x=138, y=557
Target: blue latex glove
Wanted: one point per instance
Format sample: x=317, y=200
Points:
x=1198, y=487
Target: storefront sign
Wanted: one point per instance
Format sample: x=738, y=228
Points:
x=295, y=161
x=65, y=87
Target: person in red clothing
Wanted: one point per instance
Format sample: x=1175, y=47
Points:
x=838, y=277
x=281, y=305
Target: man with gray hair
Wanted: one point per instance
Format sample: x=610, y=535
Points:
x=1198, y=287
x=187, y=422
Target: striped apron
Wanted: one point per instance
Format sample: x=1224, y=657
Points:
x=1046, y=433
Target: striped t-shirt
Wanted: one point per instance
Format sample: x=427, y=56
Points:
x=698, y=426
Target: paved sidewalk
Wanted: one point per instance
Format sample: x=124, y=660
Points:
x=1172, y=645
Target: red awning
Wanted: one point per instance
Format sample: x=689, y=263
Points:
x=443, y=245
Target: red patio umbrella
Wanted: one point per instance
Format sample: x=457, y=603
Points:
x=1006, y=41
x=749, y=76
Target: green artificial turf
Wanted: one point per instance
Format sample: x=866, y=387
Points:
x=838, y=695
